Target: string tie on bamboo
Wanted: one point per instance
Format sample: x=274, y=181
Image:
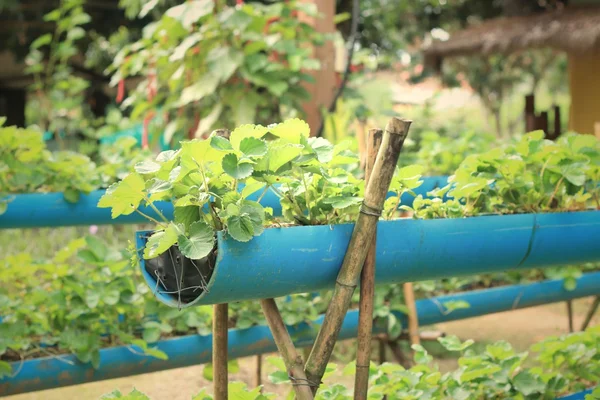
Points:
x=370, y=210
x=303, y=382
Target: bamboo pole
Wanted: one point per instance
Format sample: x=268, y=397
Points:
x=570, y=315
x=220, y=325
x=367, y=288
x=287, y=350
x=590, y=313
x=258, y=371
x=413, y=318
x=362, y=236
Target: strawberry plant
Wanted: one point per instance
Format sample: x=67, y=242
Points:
x=498, y=372
x=527, y=176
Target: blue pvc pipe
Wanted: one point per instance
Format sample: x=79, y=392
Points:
x=577, y=396
x=37, y=210
x=51, y=372
x=305, y=259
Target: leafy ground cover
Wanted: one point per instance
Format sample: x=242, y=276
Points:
x=561, y=365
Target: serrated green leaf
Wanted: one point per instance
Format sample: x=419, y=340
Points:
x=161, y=241
x=232, y=167
x=253, y=147
x=240, y=227
x=527, y=383
x=220, y=143
x=146, y=167
x=452, y=343
x=199, y=242
x=186, y=215
x=124, y=197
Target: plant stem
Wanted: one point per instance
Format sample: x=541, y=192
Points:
x=362, y=236
x=149, y=217
x=555, y=191
x=157, y=211
x=287, y=350
x=306, y=196
x=219, y=356
x=367, y=288
x=263, y=193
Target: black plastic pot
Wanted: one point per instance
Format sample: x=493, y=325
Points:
x=180, y=276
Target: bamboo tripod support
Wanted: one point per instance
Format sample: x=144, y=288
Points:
x=287, y=350
x=367, y=289
x=375, y=193
x=219, y=355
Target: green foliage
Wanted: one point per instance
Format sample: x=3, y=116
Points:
x=528, y=175
x=58, y=95
x=27, y=166
x=204, y=181
x=498, y=372
x=205, y=64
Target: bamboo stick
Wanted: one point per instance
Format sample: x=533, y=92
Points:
x=362, y=235
x=220, y=325
x=287, y=350
x=590, y=313
x=367, y=289
x=413, y=318
x=258, y=371
x=570, y=315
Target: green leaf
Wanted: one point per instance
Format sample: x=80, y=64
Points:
x=5, y=369
x=241, y=228
x=452, y=343
x=151, y=334
x=124, y=197
x=191, y=11
x=222, y=61
x=203, y=87
x=253, y=147
x=279, y=155
x=256, y=212
x=156, y=353
x=420, y=354
x=570, y=283
x=41, y=41
x=200, y=241
x=161, y=241
x=92, y=298
x=186, y=216
x=245, y=131
x=322, y=148
x=207, y=372
x=220, y=143
x=146, y=167
x=528, y=384
x=343, y=201
x=233, y=168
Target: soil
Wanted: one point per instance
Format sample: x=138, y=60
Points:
x=521, y=328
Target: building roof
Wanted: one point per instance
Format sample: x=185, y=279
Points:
x=571, y=29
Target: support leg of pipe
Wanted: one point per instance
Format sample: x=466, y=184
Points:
x=590, y=313
x=399, y=354
x=287, y=350
x=381, y=350
x=258, y=371
x=220, y=325
x=570, y=315
x=413, y=318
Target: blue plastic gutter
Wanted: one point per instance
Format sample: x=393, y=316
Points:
x=306, y=259
x=37, y=210
x=52, y=372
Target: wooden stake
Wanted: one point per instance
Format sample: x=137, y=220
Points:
x=287, y=350
x=367, y=289
x=258, y=371
x=570, y=315
x=413, y=318
x=590, y=313
x=362, y=236
x=219, y=356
